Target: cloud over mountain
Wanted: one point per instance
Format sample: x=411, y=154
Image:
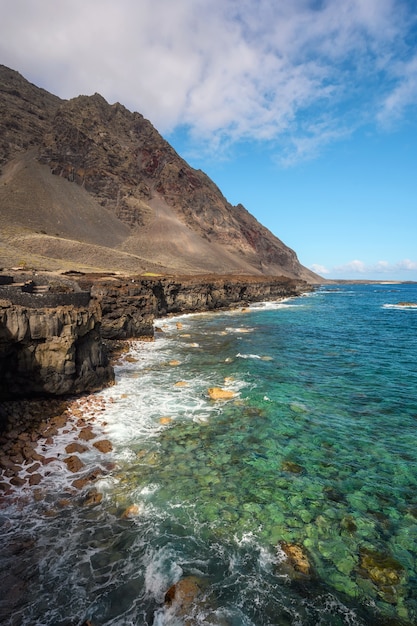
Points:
x=226, y=70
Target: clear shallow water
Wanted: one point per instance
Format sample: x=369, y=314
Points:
x=317, y=449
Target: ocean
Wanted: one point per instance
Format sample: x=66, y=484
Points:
x=292, y=502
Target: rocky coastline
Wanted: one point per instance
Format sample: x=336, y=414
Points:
x=53, y=358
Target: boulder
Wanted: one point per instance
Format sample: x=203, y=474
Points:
x=75, y=447
x=86, y=434
x=73, y=463
x=104, y=445
x=183, y=596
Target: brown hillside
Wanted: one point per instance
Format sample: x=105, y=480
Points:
x=94, y=186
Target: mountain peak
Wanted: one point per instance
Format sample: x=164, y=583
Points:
x=159, y=213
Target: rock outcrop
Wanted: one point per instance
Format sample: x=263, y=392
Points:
x=130, y=306
x=53, y=352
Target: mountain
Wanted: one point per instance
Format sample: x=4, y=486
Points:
x=91, y=186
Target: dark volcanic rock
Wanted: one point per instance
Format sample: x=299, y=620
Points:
x=130, y=307
x=51, y=351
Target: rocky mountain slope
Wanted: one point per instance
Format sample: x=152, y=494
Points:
x=88, y=185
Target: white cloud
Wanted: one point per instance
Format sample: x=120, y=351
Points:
x=228, y=70
x=406, y=264
x=319, y=269
x=374, y=269
x=356, y=267
x=403, y=95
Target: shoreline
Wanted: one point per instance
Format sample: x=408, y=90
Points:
x=32, y=423
x=66, y=494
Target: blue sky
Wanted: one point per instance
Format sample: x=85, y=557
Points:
x=304, y=111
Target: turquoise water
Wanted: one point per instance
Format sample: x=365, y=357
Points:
x=316, y=449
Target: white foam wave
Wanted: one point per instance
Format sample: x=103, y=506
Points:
x=401, y=307
x=239, y=329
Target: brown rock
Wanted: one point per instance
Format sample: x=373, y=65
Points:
x=46, y=460
x=297, y=558
x=8, y=464
x=80, y=483
x=59, y=420
x=104, y=445
x=17, y=481
x=293, y=468
x=86, y=434
x=35, y=479
x=183, y=595
x=33, y=468
x=93, y=497
x=75, y=447
x=131, y=511
x=49, y=432
x=28, y=453
x=381, y=568
x=216, y=393
x=73, y=463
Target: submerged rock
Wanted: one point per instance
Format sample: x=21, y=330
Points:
x=384, y=571
x=293, y=468
x=131, y=511
x=217, y=393
x=297, y=560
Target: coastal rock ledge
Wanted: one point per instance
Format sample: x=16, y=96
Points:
x=51, y=351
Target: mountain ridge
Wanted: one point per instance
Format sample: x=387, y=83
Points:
x=93, y=185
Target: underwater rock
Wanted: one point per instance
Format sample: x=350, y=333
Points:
x=384, y=571
x=334, y=495
x=297, y=560
x=131, y=511
x=80, y=483
x=348, y=524
x=217, y=393
x=293, y=468
x=93, y=497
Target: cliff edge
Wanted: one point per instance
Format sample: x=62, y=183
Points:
x=51, y=351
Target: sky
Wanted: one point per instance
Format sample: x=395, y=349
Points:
x=304, y=111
